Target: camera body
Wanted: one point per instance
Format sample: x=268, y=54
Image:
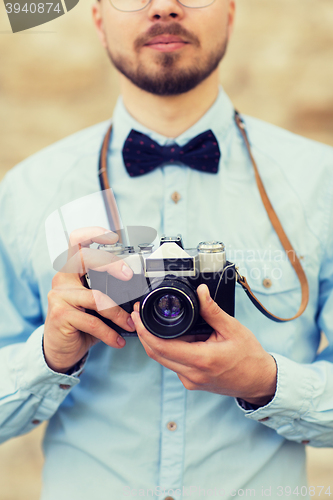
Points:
x=165, y=281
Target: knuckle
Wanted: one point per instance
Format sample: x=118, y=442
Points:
x=74, y=237
x=197, y=378
x=215, y=310
x=203, y=379
x=107, y=335
x=94, y=298
x=114, y=263
x=209, y=364
x=201, y=363
x=117, y=314
x=92, y=323
x=151, y=354
x=188, y=384
x=159, y=348
x=56, y=311
x=56, y=280
x=51, y=296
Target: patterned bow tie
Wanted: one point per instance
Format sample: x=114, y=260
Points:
x=141, y=154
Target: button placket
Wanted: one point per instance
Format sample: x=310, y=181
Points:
x=175, y=217
x=172, y=443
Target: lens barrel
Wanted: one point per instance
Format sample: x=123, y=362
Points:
x=170, y=310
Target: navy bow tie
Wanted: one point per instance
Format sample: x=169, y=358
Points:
x=141, y=154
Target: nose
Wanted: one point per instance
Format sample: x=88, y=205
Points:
x=165, y=10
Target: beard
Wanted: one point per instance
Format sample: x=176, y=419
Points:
x=169, y=78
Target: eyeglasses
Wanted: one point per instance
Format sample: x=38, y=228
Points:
x=135, y=5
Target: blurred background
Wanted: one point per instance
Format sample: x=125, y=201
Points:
x=55, y=80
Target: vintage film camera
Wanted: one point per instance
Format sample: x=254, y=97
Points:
x=165, y=282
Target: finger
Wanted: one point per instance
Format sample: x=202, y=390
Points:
x=186, y=338
x=66, y=280
x=85, y=236
x=95, y=327
x=98, y=260
x=95, y=301
x=212, y=313
x=185, y=353
x=200, y=337
x=176, y=367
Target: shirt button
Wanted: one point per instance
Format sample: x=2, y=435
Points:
x=65, y=387
x=264, y=419
x=267, y=283
x=35, y=422
x=305, y=441
x=176, y=197
x=171, y=426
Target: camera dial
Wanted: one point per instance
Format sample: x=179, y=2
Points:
x=211, y=247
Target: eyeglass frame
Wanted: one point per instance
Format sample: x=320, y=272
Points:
x=149, y=1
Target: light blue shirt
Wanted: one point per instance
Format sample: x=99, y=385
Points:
x=108, y=435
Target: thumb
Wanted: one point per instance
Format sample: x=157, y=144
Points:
x=212, y=313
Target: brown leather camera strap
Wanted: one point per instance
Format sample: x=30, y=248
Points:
x=291, y=254
x=114, y=220
x=109, y=199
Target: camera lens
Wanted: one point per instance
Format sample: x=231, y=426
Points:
x=169, y=308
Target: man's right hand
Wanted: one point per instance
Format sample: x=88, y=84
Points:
x=69, y=331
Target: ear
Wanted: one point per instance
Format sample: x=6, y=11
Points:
x=231, y=17
x=97, y=14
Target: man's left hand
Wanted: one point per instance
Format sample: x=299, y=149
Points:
x=230, y=362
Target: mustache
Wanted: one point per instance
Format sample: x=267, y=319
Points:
x=170, y=29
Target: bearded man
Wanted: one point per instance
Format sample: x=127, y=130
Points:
x=171, y=418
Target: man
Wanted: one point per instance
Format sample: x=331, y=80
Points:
x=226, y=417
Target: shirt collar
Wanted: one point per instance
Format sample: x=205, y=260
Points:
x=218, y=118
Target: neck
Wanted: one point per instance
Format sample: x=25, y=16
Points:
x=169, y=115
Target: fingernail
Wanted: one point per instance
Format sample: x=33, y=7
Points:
x=121, y=341
x=130, y=323
x=207, y=294
x=135, y=315
x=127, y=271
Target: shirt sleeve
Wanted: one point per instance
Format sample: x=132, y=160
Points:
x=30, y=392
x=302, y=408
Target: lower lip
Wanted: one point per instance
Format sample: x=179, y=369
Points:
x=167, y=47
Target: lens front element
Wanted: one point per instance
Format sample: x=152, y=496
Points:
x=170, y=310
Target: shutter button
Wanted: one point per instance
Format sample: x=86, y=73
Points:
x=267, y=283
x=176, y=197
x=35, y=422
x=171, y=426
x=65, y=387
